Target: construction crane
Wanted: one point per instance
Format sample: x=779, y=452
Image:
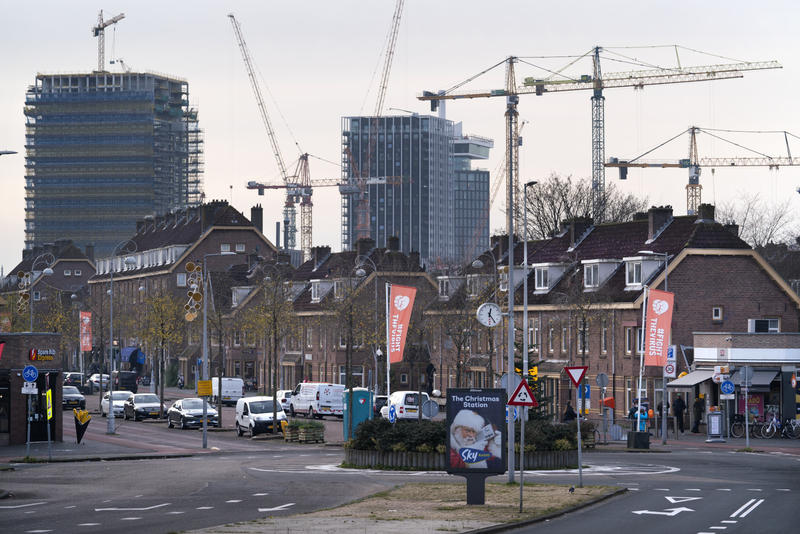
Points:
x=558, y=82
x=355, y=179
x=694, y=163
x=99, y=31
x=293, y=187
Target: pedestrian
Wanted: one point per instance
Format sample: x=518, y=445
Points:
x=569, y=413
x=677, y=408
x=698, y=408
x=632, y=412
x=642, y=420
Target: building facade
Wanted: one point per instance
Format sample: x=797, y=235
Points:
x=408, y=167
x=104, y=150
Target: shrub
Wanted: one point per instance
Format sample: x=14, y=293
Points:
x=381, y=435
x=563, y=445
x=547, y=436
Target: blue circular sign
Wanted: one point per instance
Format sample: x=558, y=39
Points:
x=30, y=373
x=392, y=414
x=727, y=387
x=516, y=414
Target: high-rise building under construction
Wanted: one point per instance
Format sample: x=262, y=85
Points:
x=413, y=176
x=104, y=150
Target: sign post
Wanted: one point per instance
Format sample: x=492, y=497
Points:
x=522, y=396
x=576, y=375
x=602, y=382
x=49, y=416
x=747, y=376
x=30, y=374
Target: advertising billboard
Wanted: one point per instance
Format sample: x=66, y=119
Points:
x=476, y=431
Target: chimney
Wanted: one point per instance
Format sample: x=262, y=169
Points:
x=578, y=227
x=705, y=213
x=364, y=246
x=318, y=254
x=393, y=243
x=26, y=253
x=278, y=235
x=149, y=223
x=413, y=260
x=90, y=252
x=657, y=217
x=257, y=217
x=639, y=216
x=732, y=227
x=140, y=226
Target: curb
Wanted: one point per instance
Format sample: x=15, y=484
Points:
x=100, y=459
x=511, y=526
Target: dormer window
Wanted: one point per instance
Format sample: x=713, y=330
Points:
x=633, y=273
x=503, y=283
x=541, y=278
x=473, y=285
x=591, y=275
x=338, y=289
x=444, y=288
x=315, y=291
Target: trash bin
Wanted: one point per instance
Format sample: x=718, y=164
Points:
x=362, y=408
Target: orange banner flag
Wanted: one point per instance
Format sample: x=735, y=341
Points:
x=658, y=323
x=401, y=302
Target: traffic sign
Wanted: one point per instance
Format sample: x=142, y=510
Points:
x=514, y=413
x=602, y=380
x=523, y=396
x=515, y=380
x=430, y=408
x=727, y=387
x=29, y=388
x=392, y=414
x=576, y=373
x=49, y=405
x=30, y=373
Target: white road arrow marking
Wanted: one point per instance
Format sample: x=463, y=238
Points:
x=277, y=508
x=676, y=500
x=668, y=512
x=21, y=505
x=131, y=509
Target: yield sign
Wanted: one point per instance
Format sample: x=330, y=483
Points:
x=576, y=374
x=523, y=396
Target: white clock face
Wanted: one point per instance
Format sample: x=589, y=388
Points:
x=489, y=314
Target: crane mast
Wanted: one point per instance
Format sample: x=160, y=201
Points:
x=289, y=211
x=99, y=31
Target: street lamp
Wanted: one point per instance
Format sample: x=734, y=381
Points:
x=525, y=283
x=663, y=380
x=123, y=247
x=27, y=277
x=376, y=351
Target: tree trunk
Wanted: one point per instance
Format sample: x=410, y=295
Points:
x=275, y=383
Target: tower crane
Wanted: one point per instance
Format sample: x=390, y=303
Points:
x=355, y=178
x=597, y=82
x=694, y=163
x=99, y=31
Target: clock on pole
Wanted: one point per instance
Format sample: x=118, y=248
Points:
x=489, y=314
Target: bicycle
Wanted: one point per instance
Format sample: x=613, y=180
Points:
x=791, y=429
x=770, y=429
x=737, y=426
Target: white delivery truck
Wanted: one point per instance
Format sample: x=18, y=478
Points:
x=315, y=399
x=232, y=390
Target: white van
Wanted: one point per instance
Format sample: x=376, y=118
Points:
x=406, y=405
x=232, y=389
x=315, y=399
x=254, y=415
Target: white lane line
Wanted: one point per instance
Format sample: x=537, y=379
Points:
x=277, y=508
x=693, y=489
x=88, y=524
x=633, y=489
x=9, y=507
x=728, y=521
x=723, y=489
x=129, y=518
x=754, y=489
x=38, y=531
x=718, y=528
x=234, y=500
x=31, y=512
x=661, y=489
x=782, y=489
x=204, y=508
x=132, y=509
x=68, y=507
x=745, y=505
x=756, y=505
x=175, y=513
x=260, y=494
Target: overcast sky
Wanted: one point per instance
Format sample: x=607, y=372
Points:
x=318, y=61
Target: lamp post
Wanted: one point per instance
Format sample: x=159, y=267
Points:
x=663, y=379
x=49, y=259
x=525, y=283
x=123, y=247
x=376, y=351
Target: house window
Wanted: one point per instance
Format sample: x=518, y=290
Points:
x=77, y=272
x=503, y=283
x=550, y=340
x=309, y=338
x=603, y=336
x=472, y=286
x=357, y=372
x=582, y=335
x=338, y=289
x=628, y=340
x=315, y=291
x=37, y=296
x=763, y=325
x=536, y=338
x=564, y=339
x=239, y=247
x=342, y=341
x=237, y=368
x=591, y=275
x=67, y=272
x=225, y=247
x=639, y=341
x=444, y=288
x=403, y=378
x=541, y=277
x=716, y=313
x=237, y=338
x=633, y=273
x=180, y=279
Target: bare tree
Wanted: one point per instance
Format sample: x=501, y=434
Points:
x=559, y=198
x=760, y=222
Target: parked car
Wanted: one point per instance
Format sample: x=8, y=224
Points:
x=315, y=399
x=94, y=380
x=74, y=379
x=379, y=402
x=143, y=406
x=117, y=401
x=407, y=405
x=284, y=396
x=71, y=397
x=254, y=415
x=187, y=413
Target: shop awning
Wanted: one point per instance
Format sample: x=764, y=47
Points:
x=762, y=378
x=692, y=379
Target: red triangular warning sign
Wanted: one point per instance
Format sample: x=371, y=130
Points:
x=576, y=374
x=523, y=396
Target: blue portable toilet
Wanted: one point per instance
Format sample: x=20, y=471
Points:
x=362, y=408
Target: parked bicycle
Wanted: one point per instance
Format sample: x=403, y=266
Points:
x=738, y=427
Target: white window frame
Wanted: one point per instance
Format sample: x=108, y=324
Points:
x=67, y=272
x=773, y=324
x=224, y=247
x=77, y=272
x=37, y=296
x=564, y=338
x=591, y=275
x=315, y=291
x=180, y=279
x=240, y=247
x=473, y=285
x=536, y=338
x=629, y=340
x=541, y=276
x=717, y=313
x=444, y=288
x=639, y=340
x=237, y=337
x=404, y=378
x=604, y=336
x=338, y=289
x=550, y=345
x=309, y=338
x=633, y=270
